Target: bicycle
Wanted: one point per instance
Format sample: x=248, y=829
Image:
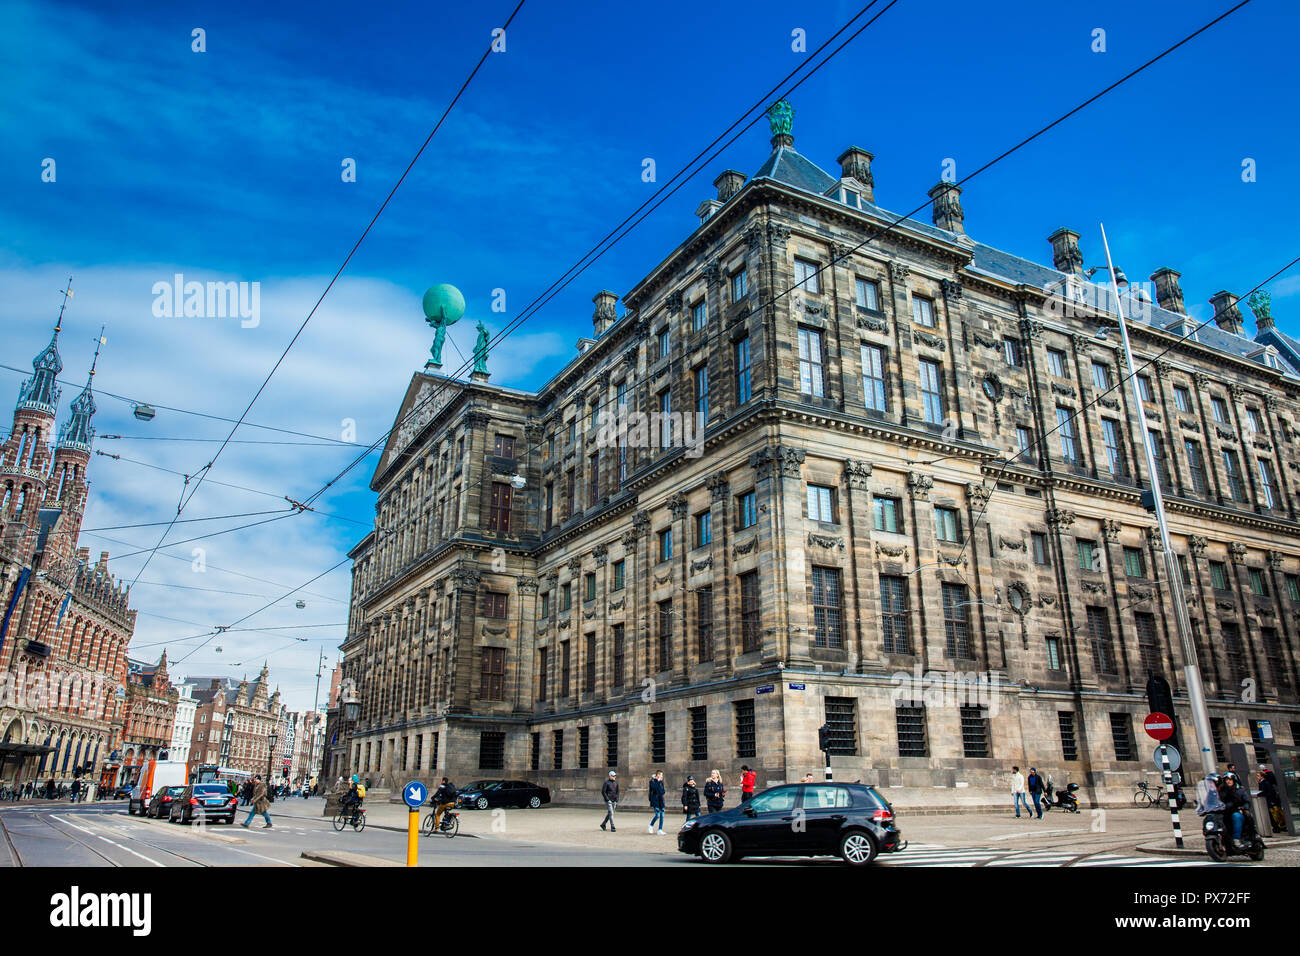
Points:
x=356, y=818
x=449, y=826
x=1145, y=795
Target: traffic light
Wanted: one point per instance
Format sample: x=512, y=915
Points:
x=823, y=739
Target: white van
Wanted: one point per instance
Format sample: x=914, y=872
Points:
x=155, y=775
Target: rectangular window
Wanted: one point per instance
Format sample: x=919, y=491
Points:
x=1069, y=746
x=619, y=655
x=704, y=621
x=493, y=678
x=611, y=744
x=1088, y=557
x=1232, y=470
x=1254, y=421
x=866, y=294
x=1065, y=428
x=1103, y=648
x=1266, y=483
x=550, y=505
x=1219, y=575
x=570, y=484
x=584, y=747
x=665, y=343
x=894, y=614
x=546, y=605
x=702, y=391
x=885, y=513
x=739, y=285
x=956, y=621
x=1158, y=453
x=947, y=526
x=1293, y=589
x=1024, y=440
x=1183, y=569
x=589, y=665
x=566, y=597
x=699, y=315
x=620, y=575
x=664, y=648
x=699, y=733
x=1101, y=376
x=873, y=378
x=1121, y=733
x=593, y=480
x=1144, y=388
x=1011, y=352
x=1135, y=565
x=975, y=732
x=1148, y=649
x=665, y=544
x=1056, y=362
x=496, y=605
x=1196, y=466
x=1039, y=542
x=1054, y=654
x=658, y=737
x=503, y=446
x=811, y=377
x=1219, y=409
x=535, y=751
x=910, y=723
x=743, y=389
x=703, y=529
x=1234, y=652
x=821, y=503
x=923, y=311
x=499, y=513
x=589, y=585
x=565, y=662
x=1257, y=582
x=1219, y=731
x=750, y=638
x=842, y=726
x=557, y=749
x=806, y=276
x=491, y=750
x=826, y=602
x=745, y=737
x=931, y=392
x=1182, y=399
x=1114, y=449
x=573, y=431
x=747, y=510
x=1276, y=658
x=665, y=419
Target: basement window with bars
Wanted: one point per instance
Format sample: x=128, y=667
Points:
x=611, y=744
x=535, y=754
x=745, y=729
x=910, y=721
x=699, y=734
x=557, y=749
x=1121, y=732
x=1219, y=731
x=491, y=750
x=1069, y=746
x=975, y=731
x=658, y=735
x=584, y=747
x=842, y=726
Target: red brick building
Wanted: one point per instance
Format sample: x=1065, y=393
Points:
x=150, y=711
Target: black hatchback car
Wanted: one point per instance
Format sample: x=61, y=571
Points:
x=160, y=804
x=482, y=794
x=213, y=802
x=849, y=820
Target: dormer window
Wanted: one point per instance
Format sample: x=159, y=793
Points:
x=850, y=197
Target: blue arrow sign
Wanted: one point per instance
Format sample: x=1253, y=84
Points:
x=415, y=794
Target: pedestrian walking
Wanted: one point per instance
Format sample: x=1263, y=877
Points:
x=746, y=784
x=76, y=790
x=245, y=793
x=714, y=791
x=609, y=793
x=1035, y=784
x=657, y=801
x=260, y=804
x=1268, y=788
x=1018, y=793
x=808, y=778
x=690, y=799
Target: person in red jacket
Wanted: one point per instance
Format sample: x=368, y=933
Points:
x=746, y=784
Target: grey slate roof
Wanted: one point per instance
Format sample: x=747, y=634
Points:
x=788, y=166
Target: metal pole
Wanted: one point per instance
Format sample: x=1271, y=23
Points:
x=413, y=837
x=1191, y=667
x=1168, y=776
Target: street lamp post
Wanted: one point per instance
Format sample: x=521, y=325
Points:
x=1191, y=667
x=271, y=738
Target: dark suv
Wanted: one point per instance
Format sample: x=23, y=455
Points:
x=848, y=820
x=206, y=801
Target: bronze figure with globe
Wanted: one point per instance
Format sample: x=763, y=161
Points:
x=443, y=306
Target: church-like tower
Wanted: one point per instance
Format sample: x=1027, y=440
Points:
x=25, y=459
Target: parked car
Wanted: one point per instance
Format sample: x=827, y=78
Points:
x=849, y=820
x=213, y=802
x=160, y=804
x=122, y=792
x=483, y=794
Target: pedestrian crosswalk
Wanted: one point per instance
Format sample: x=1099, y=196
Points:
x=934, y=854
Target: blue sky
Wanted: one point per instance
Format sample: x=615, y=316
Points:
x=226, y=165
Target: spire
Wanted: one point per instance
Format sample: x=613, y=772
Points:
x=77, y=433
x=41, y=391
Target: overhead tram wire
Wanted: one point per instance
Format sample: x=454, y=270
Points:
x=878, y=233
x=202, y=473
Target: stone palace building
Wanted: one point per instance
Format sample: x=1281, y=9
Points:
x=913, y=513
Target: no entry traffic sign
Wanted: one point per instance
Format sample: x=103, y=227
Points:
x=1159, y=726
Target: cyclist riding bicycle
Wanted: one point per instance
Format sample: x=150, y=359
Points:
x=443, y=798
x=354, y=798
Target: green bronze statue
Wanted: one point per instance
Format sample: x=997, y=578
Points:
x=780, y=117
x=443, y=306
x=481, y=350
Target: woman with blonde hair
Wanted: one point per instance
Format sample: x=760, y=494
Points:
x=714, y=791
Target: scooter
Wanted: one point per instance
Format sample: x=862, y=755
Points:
x=1062, y=799
x=1217, y=830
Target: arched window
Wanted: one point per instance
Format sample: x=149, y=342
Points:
x=45, y=756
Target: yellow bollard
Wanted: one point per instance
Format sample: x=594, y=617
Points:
x=413, y=838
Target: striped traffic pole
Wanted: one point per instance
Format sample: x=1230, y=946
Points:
x=1171, y=794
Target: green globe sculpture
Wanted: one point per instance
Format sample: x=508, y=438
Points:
x=443, y=306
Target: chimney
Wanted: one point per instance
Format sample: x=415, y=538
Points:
x=1169, y=293
x=1066, y=256
x=946, y=209
x=729, y=184
x=605, y=315
x=856, y=164
x=1226, y=314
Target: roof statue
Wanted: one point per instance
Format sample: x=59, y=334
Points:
x=443, y=306
x=1261, y=304
x=481, y=351
x=780, y=116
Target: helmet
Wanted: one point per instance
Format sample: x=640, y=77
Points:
x=355, y=778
